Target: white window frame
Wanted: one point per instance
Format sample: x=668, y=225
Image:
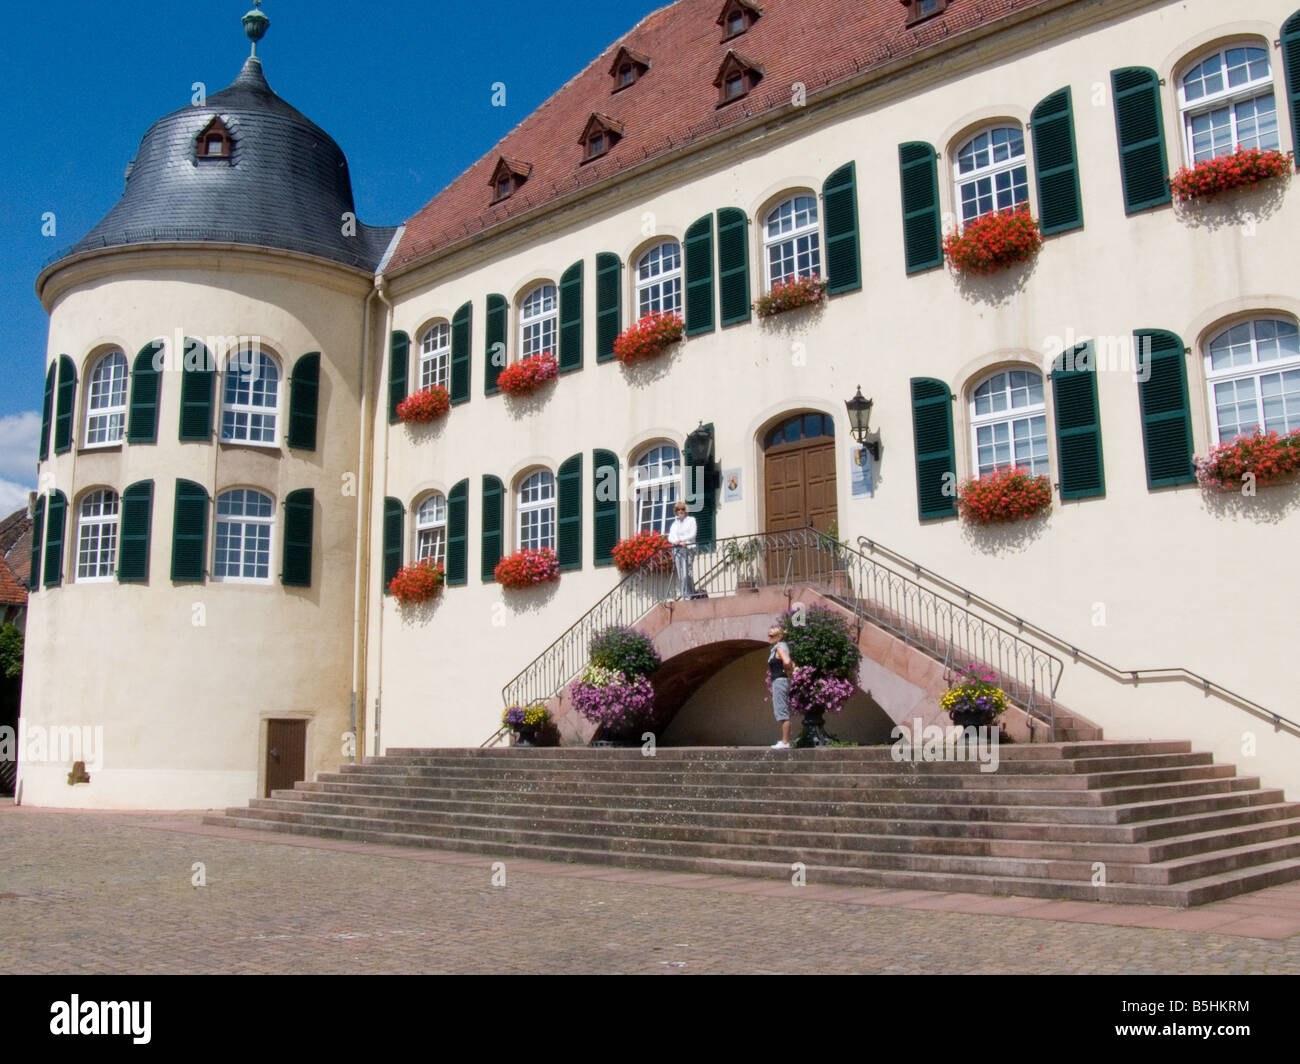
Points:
x=1001, y=163
x=1230, y=98
x=535, y=495
x=435, y=356
x=792, y=231
x=235, y=368
x=539, y=321
x=1252, y=372
x=659, y=285
x=99, y=517
x=248, y=525
x=1011, y=416
x=106, y=400
x=656, y=491
x=431, y=528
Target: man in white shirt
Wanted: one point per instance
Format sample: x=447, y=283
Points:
x=682, y=538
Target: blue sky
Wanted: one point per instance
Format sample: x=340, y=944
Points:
x=404, y=86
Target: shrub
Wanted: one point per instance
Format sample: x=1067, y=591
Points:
x=1010, y=494
x=648, y=337
x=624, y=650
x=790, y=294
x=1267, y=455
x=417, y=582
x=527, y=568
x=1244, y=167
x=993, y=241
x=649, y=551
x=528, y=374
x=425, y=405
x=822, y=640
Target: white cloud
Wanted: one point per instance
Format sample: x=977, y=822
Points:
x=12, y=497
x=20, y=436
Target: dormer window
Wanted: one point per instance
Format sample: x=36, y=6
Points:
x=214, y=142
x=736, y=77
x=599, y=135
x=507, y=176
x=627, y=68
x=920, y=10
x=738, y=16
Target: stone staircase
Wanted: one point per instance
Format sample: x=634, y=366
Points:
x=1135, y=822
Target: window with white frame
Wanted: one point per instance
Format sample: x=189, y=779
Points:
x=431, y=530
x=243, y=539
x=1009, y=422
x=536, y=509
x=250, y=398
x=1253, y=371
x=658, y=487
x=97, y=518
x=792, y=240
x=539, y=318
x=659, y=280
x=435, y=356
x=1227, y=103
x=991, y=173
x=106, y=401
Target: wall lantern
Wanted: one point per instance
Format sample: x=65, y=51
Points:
x=699, y=445
x=859, y=421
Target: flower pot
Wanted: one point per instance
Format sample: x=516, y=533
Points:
x=971, y=718
x=524, y=735
x=814, y=731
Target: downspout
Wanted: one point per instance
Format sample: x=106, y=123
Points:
x=379, y=661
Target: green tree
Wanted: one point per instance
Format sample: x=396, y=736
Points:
x=11, y=651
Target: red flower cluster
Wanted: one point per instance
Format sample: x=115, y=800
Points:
x=1010, y=494
x=648, y=337
x=1267, y=455
x=649, y=551
x=528, y=374
x=424, y=406
x=527, y=568
x=1245, y=166
x=791, y=293
x=417, y=582
x=993, y=241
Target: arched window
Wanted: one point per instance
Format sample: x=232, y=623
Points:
x=251, y=397
x=431, y=529
x=1009, y=422
x=658, y=487
x=1253, y=370
x=97, y=518
x=539, y=318
x=1226, y=100
x=106, y=401
x=792, y=240
x=435, y=356
x=535, y=505
x=243, y=539
x=799, y=427
x=991, y=173
x=659, y=280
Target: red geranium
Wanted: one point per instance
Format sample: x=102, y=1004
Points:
x=1010, y=494
x=418, y=581
x=649, y=551
x=527, y=568
x=424, y=406
x=993, y=241
x=790, y=293
x=1267, y=455
x=654, y=333
x=528, y=374
x=1244, y=167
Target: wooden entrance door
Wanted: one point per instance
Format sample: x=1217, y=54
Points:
x=799, y=486
x=286, y=754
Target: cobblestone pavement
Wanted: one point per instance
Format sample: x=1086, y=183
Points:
x=112, y=893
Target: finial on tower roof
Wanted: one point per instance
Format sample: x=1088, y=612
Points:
x=255, y=25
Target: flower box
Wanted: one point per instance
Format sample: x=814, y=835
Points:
x=417, y=582
x=424, y=406
x=1267, y=455
x=527, y=568
x=1241, y=169
x=650, y=336
x=528, y=374
x=646, y=551
x=993, y=241
x=1010, y=494
x=790, y=294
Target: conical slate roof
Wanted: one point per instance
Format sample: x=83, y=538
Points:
x=285, y=185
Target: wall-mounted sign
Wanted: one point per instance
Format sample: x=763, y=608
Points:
x=861, y=474
x=732, y=486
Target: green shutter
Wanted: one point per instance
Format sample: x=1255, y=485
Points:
x=733, y=265
x=198, y=379
x=399, y=357
x=493, y=503
x=936, y=466
x=304, y=393
x=918, y=173
x=605, y=485
x=458, y=535
x=461, y=323
x=392, y=540
x=47, y=411
x=136, y=526
x=65, y=400
x=1078, y=424
x=38, y=532
x=568, y=513
x=1291, y=64
x=571, y=318
x=494, y=343
x=299, y=509
x=609, y=304
x=700, y=486
x=1140, y=127
x=1056, y=163
x=189, y=533
x=1166, y=413
x=698, y=249
x=840, y=208
x=54, y=532
x=146, y=389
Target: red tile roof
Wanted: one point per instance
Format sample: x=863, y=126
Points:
x=816, y=42
x=16, y=544
x=12, y=593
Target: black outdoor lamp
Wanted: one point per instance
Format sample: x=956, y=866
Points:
x=699, y=445
x=859, y=421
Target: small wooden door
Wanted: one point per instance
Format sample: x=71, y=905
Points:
x=286, y=754
x=799, y=486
